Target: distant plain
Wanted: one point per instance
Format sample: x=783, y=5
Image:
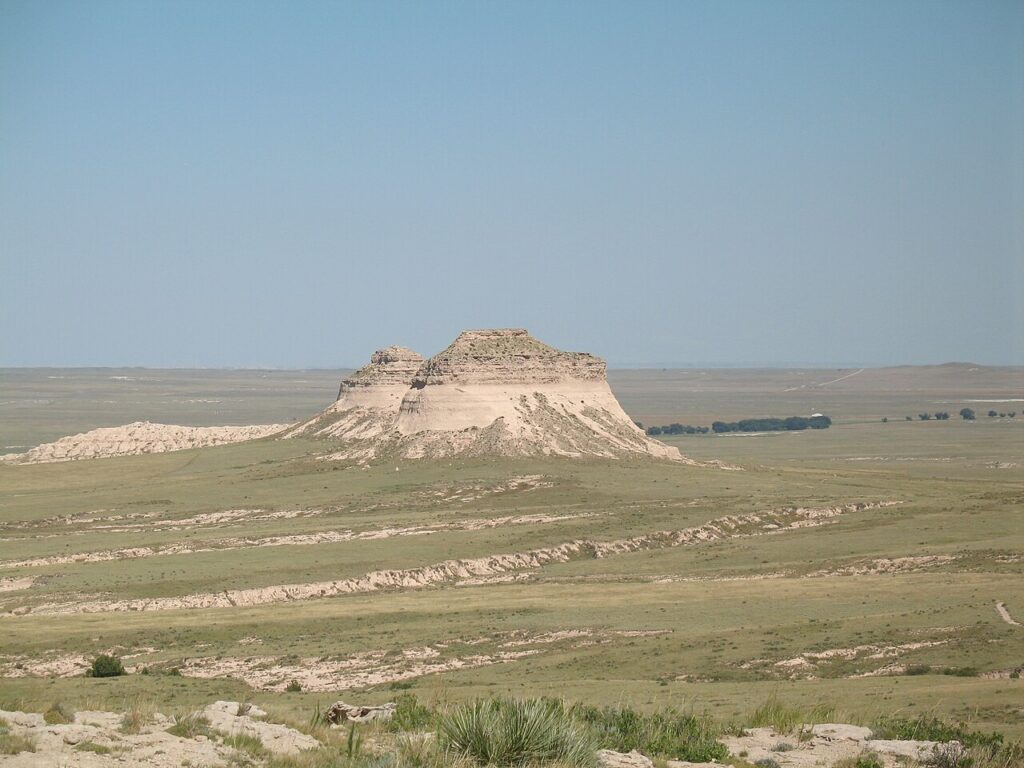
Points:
x=834, y=613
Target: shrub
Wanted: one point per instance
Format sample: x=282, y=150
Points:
x=106, y=666
x=961, y=671
x=668, y=733
x=967, y=414
x=783, y=746
x=925, y=728
x=410, y=715
x=58, y=714
x=293, y=687
x=509, y=732
x=918, y=669
x=767, y=762
x=948, y=756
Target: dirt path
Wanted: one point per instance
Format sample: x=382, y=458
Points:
x=1005, y=614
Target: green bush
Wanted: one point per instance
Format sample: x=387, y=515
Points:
x=411, y=715
x=668, y=733
x=509, y=732
x=106, y=666
x=925, y=728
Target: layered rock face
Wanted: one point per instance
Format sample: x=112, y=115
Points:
x=368, y=400
x=491, y=392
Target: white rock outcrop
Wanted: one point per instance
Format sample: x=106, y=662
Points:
x=137, y=438
x=368, y=400
x=491, y=392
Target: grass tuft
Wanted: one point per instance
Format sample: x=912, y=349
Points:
x=190, y=725
x=92, y=746
x=58, y=714
x=786, y=719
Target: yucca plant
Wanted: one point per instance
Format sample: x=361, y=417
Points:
x=515, y=733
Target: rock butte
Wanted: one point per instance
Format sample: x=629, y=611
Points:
x=491, y=392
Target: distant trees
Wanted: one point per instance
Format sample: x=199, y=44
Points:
x=885, y=419
x=792, y=423
x=677, y=429
x=992, y=414
x=942, y=415
x=909, y=418
x=967, y=414
x=924, y=416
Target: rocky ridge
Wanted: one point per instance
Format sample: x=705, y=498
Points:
x=137, y=438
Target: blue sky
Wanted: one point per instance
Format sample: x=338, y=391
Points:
x=295, y=184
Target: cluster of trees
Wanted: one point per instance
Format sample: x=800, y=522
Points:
x=677, y=429
x=773, y=424
x=967, y=414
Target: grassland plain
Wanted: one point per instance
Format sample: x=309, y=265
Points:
x=835, y=609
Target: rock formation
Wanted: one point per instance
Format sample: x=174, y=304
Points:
x=136, y=438
x=368, y=400
x=491, y=392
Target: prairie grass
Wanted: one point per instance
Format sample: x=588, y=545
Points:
x=12, y=743
x=58, y=714
x=93, y=747
x=137, y=717
x=189, y=725
x=785, y=718
x=245, y=742
x=667, y=733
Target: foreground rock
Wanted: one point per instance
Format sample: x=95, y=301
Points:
x=825, y=745
x=137, y=438
x=496, y=392
x=233, y=718
x=340, y=713
x=609, y=758
x=97, y=739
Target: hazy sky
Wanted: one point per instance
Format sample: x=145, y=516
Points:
x=296, y=184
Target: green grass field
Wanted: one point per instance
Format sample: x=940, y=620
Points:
x=838, y=612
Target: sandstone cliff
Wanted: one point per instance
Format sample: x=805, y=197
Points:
x=491, y=392
x=368, y=400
